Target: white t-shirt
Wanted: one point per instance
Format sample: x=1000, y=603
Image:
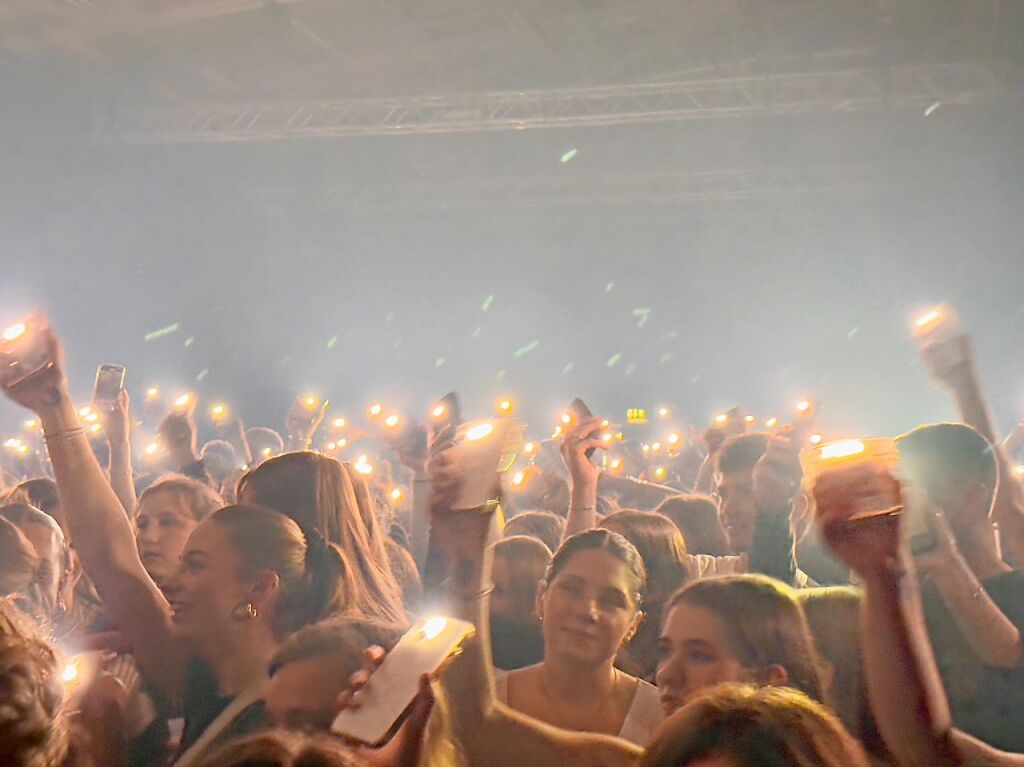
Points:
x=643, y=717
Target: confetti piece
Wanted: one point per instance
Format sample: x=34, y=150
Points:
x=614, y=360
x=568, y=368
x=664, y=358
x=523, y=351
x=163, y=332
x=931, y=109
x=567, y=157
x=478, y=331
x=853, y=331
x=609, y=287
x=487, y=303
x=390, y=316
x=500, y=376
x=332, y=342
x=190, y=340
x=630, y=368
x=439, y=362
x=202, y=374
x=644, y=314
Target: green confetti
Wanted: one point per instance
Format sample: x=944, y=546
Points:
x=609, y=287
x=487, y=303
x=439, y=362
x=190, y=340
x=568, y=368
x=163, y=332
x=644, y=314
x=202, y=374
x=630, y=369
x=332, y=342
x=567, y=157
x=614, y=360
x=523, y=351
x=478, y=331
x=500, y=376
x=664, y=358
x=853, y=331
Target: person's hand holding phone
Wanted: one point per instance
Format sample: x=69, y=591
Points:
x=303, y=420
x=948, y=359
x=116, y=418
x=582, y=437
x=870, y=546
x=46, y=389
x=178, y=434
x=777, y=474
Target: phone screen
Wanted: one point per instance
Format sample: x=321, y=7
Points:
x=23, y=350
x=579, y=410
x=394, y=685
x=109, y=382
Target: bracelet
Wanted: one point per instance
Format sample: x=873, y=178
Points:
x=64, y=434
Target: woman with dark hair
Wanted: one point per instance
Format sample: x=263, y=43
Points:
x=248, y=577
x=317, y=492
x=735, y=628
x=696, y=516
x=589, y=606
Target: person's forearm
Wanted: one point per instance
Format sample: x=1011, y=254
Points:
x=582, y=508
x=974, y=753
x=992, y=636
x=122, y=479
x=971, y=402
x=419, y=519
x=903, y=682
x=1008, y=508
x=634, y=493
x=771, y=552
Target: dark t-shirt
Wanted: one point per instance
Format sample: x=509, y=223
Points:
x=515, y=645
x=986, y=702
x=201, y=704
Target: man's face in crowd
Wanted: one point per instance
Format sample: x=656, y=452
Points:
x=736, y=508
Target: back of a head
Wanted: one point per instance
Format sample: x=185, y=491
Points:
x=264, y=442
x=40, y=493
x=343, y=637
x=283, y=748
x=199, y=498
x=742, y=452
x=528, y=559
x=313, y=573
x=661, y=546
x=937, y=454
x=542, y=525
x=32, y=728
x=317, y=493
x=220, y=459
x=764, y=622
x=21, y=514
x=696, y=516
x=755, y=727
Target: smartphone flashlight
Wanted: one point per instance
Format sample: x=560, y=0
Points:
x=31, y=425
x=815, y=439
x=803, y=406
x=772, y=422
x=218, y=412
x=338, y=423
x=530, y=448
x=615, y=464
x=363, y=467
x=392, y=421
x=375, y=410
x=673, y=439
x=721, y=418
x=182, y=401
x=660, y=472
x=505, y=406
x=566, y=419
x=152, y=392
x=664, y=412
x=396, y=495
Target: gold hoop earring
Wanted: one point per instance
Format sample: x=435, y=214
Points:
x=245, y=612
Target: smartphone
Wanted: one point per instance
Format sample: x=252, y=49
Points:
x=109, y=383
x=482, y=449
x=23, y=350
x=423, y=649
x=446, y=414
x=939, y=324
x=578, y=410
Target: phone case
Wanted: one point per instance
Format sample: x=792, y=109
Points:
x=478, y=452
x=109, y=382
x=23, y=351
x=394, y=685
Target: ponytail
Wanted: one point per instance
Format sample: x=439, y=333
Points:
x=313, y=573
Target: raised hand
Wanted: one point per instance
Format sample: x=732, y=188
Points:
x=45, y=390
x=580, y=438
x=303, y=421
x=116, y=418
x=777, y=475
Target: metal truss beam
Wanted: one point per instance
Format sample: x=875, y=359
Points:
x=800, y=93
x=709, y=186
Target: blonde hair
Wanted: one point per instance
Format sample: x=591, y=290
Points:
x=317, y=492
x=201, y=499
x=757, y=727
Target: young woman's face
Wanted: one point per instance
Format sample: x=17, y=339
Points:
x=589, y=608
x=209, y=584
x=163, y=525
x=695, y=654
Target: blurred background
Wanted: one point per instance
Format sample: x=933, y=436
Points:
x=695, y=202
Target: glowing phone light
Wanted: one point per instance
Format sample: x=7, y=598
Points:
x=505, y=406
x=375, y=410
x=772, y=422
x=660, y=472
x=749, y=419
x=218, y=411
x=338, y=423
x=803, y=405
x=656, y=447
x=664, y=412
x=23, y=449
x=566, y=419
x=85, y=411
x=341, y=443
x=267, y=452
x=363, y=467
x=645, y=448
x=438, y=411
x=607, y=437
x=396, y=494
x=95, y=428
x=721, y=418
x=816, y=439
x=1018, y=470
x=480, y=431
x=12, y=444
x=842, y=449
x=15, y=331
x=556, y=433
x=70, y=673
x=31, y=424
x=529, y=448
x=519, y=478
x=927, y=319
x=673, y=439
x=183, y=400
x=391, y=421
x=332, y=445
x=152, y=392
x=151, y=448
x=615, y=464
x=433, y=627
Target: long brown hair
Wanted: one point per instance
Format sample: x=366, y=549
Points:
x=764, y=623
x=317, y=493
x=661, y=547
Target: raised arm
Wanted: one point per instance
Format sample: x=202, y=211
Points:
x=117, y=424
x=583, y=474
x=100, y=531
x=491, y=733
